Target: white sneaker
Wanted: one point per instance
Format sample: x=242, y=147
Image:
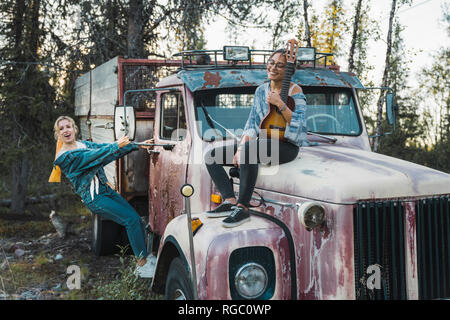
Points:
x=148, y=269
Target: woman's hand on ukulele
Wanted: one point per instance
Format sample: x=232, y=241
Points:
x=236, y=158
x=275, y=99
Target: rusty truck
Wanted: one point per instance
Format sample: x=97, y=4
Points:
x=338, y=222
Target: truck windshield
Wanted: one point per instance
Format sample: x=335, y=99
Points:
x=229, y=107
x=329, y=111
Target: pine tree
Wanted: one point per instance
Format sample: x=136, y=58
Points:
x=27, y=98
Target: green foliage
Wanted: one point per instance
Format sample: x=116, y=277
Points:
x=27, y=98
x=434, y=84
x=332, y=29
x=127, y=285
x=409, y=128
x=25, y=228
x=44, y=47
x=423, y=132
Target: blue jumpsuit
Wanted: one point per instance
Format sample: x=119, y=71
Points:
x=84, y=169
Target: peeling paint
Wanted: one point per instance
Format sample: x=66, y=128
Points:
x=411, y=250
x=211, y=79
x=336, y=175
x=411, y=225
x=225, y=78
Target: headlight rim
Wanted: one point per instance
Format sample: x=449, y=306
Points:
x=303, y=209
x=244, y=267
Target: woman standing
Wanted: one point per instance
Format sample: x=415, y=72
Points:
x=247, y=152
x=82, y=162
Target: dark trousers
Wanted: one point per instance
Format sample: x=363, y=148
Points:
x=253, y=153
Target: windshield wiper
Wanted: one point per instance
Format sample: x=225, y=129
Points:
x=210, y=121
x=330, y=139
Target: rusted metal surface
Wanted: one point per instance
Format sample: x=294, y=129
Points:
x=224, y=243
x=165, y=199
x=167, y=175
x=336, y=175
x=339, y=176
x=411, y=252
x=213, y=79
x=324, y=257
x=213, y=244
x=342, y=175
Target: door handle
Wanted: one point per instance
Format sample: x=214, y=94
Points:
x=108, y=125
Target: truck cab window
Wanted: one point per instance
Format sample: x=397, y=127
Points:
x=173, y=119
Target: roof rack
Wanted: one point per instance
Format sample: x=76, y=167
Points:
x=208, y=59
x=320, y=55
x=192, y=59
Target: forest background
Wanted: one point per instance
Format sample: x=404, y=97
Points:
x=46, y=44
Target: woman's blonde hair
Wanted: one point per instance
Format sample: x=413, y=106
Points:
x=56, y=127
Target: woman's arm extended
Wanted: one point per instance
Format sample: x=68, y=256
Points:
x=100, y=154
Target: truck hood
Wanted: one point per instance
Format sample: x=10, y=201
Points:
x=343, y=175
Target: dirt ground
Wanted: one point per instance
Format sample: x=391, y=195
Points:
x=34, y=261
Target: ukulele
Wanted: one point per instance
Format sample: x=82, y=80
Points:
x=274, y=122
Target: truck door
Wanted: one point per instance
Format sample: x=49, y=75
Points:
x=168, y=168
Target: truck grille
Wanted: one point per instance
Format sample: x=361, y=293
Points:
x=379, y=250
x=379, y=242
x=433, y=247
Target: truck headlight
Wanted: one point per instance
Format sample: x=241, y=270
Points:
x=311, y=214
x=251, y=280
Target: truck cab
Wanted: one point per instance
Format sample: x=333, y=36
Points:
x=338, y=222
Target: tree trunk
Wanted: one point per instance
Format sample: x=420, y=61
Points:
x=135, y=41
x=34, y=32
x=19, y=12
x=20, y=173
x=384, y=83
x=307, y=29
x=20, y=169
x=357, y=20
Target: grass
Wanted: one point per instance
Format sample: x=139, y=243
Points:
x=126, y=285
x=10, y=228
x=103, y=278
x=22, y=275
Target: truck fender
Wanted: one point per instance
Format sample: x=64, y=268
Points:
x=169, y=251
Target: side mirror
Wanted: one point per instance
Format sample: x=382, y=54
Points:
x=124, y=122
x=391, y=108
x=390, y=111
